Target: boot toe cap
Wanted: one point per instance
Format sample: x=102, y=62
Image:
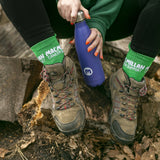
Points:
x=120, y=135
x=72, y=127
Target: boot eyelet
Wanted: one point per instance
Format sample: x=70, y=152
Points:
x=124, y=98
x=122, y=115
x=123, y=109
x=56, y=95
x=58, y=101
x=121, y=91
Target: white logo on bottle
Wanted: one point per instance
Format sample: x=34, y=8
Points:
x=88, y=71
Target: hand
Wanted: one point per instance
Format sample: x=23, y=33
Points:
x=96, y=40
x=68, y=9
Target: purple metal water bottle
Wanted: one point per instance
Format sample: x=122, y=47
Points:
x=90, y=64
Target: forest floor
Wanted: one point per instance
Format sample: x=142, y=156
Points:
x=45, y=142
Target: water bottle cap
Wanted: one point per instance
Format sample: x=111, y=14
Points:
x=80, y=16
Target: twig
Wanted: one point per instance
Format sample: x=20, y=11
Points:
x=20, y=153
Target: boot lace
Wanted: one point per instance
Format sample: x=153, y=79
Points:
x=62, y=96
x=128, y=107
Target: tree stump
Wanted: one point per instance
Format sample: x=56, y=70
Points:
x=19, y=72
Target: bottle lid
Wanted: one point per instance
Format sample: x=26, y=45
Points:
x=80, y=16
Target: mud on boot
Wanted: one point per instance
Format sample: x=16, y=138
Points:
x=67, y=111
x=125, y=94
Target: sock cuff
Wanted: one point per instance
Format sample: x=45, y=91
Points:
x=135, y=54
x=136, y=64
x=48, y=51
x=45, y=43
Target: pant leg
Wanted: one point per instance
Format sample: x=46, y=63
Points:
x=126, y=20
x=146, y=36
x=30, y=19
x=62, y=28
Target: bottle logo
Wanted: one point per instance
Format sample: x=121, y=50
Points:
x=88, y=71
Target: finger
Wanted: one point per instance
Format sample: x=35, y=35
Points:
x=74, y=15
x=65, y=12
x=68, y=15
x=59, y=10
x=94, y=44
x=91, y=37
x=99, y=49
x=86, y=13
x=101, y=54
x=72, y=42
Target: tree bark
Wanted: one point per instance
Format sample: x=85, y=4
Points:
x=19, y=72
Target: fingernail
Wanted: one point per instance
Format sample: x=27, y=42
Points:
x=89, y=49
x=88, y=16
x=96, y=54
x=101, y=57
x=70, y=42
x=87, y=42
x=72, y=24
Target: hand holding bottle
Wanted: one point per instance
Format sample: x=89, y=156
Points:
x=68, y=9
x=95, y=40
x=91, y=66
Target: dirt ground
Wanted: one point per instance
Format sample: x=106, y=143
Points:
x=45, y=142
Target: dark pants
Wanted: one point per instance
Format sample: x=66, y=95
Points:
x=37, y=20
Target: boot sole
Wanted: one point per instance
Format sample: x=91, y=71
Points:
x=116, y=138
x=70, y=133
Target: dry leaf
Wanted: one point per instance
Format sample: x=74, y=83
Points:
x=128, y=151
x=27, y=143
x=138, y=151
x=146, y=142
x=3, y=152
x=72, y=144
x=158, y=134
x=113, y=153
x=148, y=156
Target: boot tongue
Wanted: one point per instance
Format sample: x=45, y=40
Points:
x=136, y=86
x=56, y=73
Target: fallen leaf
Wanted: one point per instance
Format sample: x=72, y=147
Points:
x=27, y=143
x=146, y=142
x=128, y=151
x=72, y=144
x=113, y=153
x=138, y=151
x=148, y=156
x=3, y=152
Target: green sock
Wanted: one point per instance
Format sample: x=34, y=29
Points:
x=136, y=65
x=48, y=51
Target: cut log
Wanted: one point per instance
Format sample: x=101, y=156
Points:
x=18, y=80
x=19, y=72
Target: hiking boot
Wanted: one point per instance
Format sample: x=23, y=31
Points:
x=125, y=93
x=67, y=110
